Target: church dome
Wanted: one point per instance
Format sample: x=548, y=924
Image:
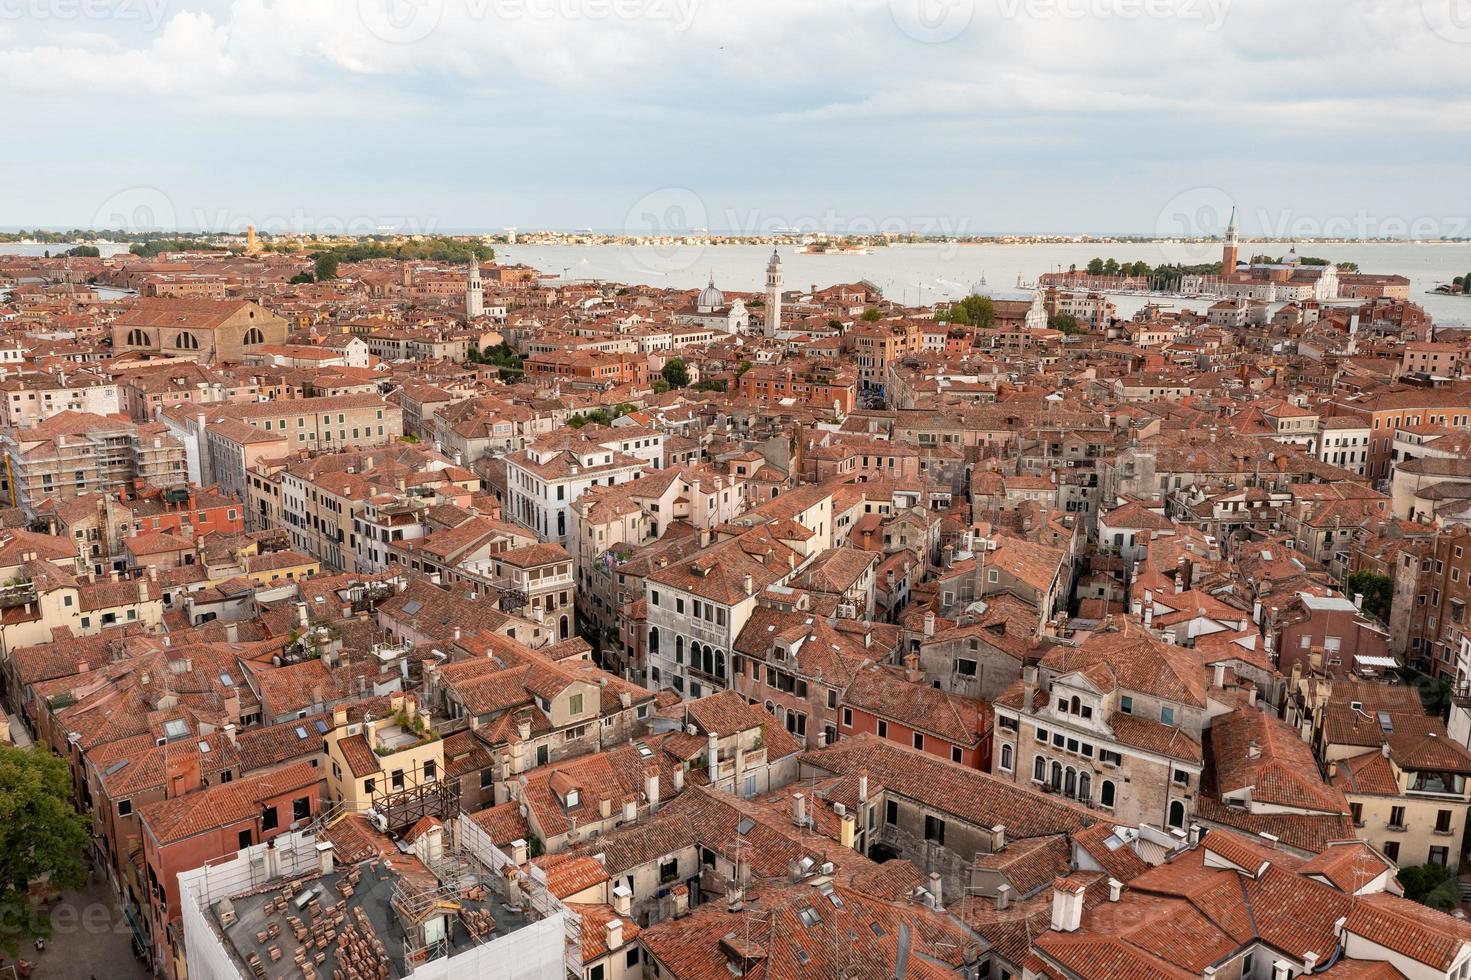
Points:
x=710, y=297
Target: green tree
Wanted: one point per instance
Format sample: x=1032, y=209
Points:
x=1111, y=267
x=84, y=252
x=301, y=277
x=1378, y=592
x=871, y=315
x=745, y=366
x=1430, y=884
x=1065, y=322
x=979, y=311
x=41, y=835
x=660, y=386
x=1095, y=267
x=676, y=373
x=327, y=264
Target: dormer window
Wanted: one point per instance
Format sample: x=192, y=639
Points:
x=574, y=798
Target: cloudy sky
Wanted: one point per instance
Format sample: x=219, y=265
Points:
x=971, y=116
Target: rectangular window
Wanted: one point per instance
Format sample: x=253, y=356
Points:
x=268, y=818
x=891, y=812
x=883, y=729
x=918, y=740
x=934, y=829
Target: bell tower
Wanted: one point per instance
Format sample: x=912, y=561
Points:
x=1231, y=250
x=773, y=294
x=474, y=291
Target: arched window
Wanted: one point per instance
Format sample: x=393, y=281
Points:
x=1105, y=794
x=564, y=627
x=1077, y=706
x=137, y=338
x=653, y=639
x=770, y=708
x=719, y=664
x=679, y=649
x=253, y=336
x=1057, y=776
x=1039, y=768
x=186, y=341
x=1006, y=757
x=1070, y=782
x=1177, y=815
x=1085, y=786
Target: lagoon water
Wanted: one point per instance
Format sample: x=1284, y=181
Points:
x=930, y=272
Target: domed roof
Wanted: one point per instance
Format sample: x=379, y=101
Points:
x=775, y=257
x=710, y=297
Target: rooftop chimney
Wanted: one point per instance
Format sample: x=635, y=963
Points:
x=651, y=787
x=1067, y=906
x=1003, y=897
x=799, y=809
x=622, y=899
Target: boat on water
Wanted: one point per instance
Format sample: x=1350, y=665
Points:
x=820, y=249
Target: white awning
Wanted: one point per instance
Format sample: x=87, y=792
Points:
x=1375, y=661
